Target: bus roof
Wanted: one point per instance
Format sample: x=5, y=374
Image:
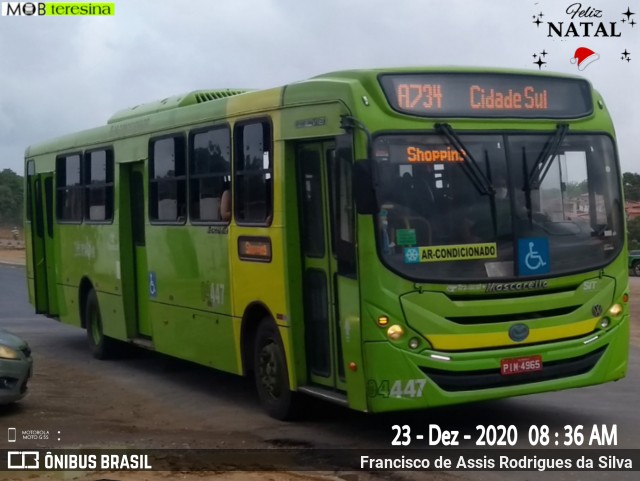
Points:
x=191, y=98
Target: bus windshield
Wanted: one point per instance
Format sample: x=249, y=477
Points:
x=497, y=206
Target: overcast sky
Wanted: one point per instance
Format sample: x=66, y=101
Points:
x=63, y=74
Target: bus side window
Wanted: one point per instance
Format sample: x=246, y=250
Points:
x=208, y=208
x=344, y=234
x=167, y=180
x=69, y=188
x=225, y=203
x=209, y=175
x=253, y=163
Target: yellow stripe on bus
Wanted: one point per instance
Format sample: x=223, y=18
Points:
x=460, y=342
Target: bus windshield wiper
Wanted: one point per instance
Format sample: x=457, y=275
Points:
x=471, y=168
x=543, y=163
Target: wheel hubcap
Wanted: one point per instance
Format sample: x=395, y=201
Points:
x=268, y=370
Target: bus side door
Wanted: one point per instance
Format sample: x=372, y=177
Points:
x=40, y=198
x=136, y=284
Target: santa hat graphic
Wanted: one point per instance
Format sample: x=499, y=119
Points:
x=584, y=56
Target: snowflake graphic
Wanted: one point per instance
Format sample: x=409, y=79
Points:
x=411, y=255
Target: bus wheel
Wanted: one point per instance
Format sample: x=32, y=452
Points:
x=101, y=346
x=271, y=375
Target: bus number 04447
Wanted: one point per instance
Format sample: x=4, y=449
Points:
x=411, y=388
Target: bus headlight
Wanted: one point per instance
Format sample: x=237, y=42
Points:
x=604, y=322
x=414, y=343
x=395, y=332
x=615, y=310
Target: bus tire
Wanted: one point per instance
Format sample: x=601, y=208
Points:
x=271, y=374
x=101, y=346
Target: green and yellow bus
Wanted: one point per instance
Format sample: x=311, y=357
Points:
x=385, y=239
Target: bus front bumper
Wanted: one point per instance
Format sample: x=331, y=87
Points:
x=406, y=380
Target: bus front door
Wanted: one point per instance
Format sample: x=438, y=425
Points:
x=320, y=284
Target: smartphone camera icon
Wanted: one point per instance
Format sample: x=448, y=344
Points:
x=11, y=434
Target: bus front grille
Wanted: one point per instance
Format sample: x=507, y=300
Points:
x=520, y=316
x=475, y=380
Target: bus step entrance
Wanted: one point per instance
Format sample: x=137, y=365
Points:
x=327, y=394
x=144, y=343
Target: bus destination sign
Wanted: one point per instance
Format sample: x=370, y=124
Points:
x=487, y=95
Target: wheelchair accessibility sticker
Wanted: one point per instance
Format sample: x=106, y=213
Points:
x=533, y=256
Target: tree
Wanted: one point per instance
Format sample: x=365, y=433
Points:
x=633, y=233
x=631, y=185
x=576, y=189
x=11, y=189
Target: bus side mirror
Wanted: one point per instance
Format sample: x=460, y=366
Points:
x=363, y=192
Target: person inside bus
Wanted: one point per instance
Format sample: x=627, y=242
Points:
x=225, y=202
x=503, y=207
x=401, y=213
x=477, y=225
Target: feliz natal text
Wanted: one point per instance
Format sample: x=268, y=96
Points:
x=582, y=29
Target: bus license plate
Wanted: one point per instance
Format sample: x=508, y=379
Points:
x=520, y=365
